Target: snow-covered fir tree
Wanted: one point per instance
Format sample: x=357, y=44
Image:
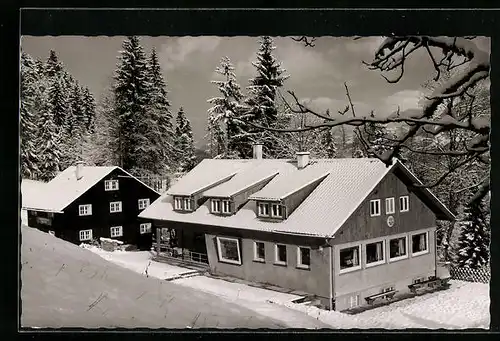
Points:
x=184, y=143
x=53, y=66
x=49, y=148
x=261, y=100
x=473, y=243
x=223, y=129
x=376, y=136
x=156, y=127
x=131, y=93
x=89, y=108
x=57, y=95
x=28, y=124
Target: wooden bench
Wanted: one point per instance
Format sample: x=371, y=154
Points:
x=432, y=282
x=387, y=295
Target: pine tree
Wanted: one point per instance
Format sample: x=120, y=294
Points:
x=53, y=66
x=89, y=110
x=158, y=128
x=28, y=127
x=473, y=245
x=184, y=143
x=223, y=129
x=58, y=101
x=49, y=149
x=261, y=101
x=131, y=93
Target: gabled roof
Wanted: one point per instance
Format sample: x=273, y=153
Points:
x=346, y=184
x=61, y=191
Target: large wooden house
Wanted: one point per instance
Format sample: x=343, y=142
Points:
x=349, y=231
x=85, y=203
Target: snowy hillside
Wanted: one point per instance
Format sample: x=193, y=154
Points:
x=65, y=285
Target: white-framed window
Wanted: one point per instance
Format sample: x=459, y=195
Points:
x=215, y=205
x=85, y=235
x=85, y=209
x=145, y=228
x=303, y=257
x=353, y=301
x=349, y=259
x=404, y=203
x=398, y=248
x=143, y=203
x=115, y=206
x=374, y=207
x=263, y=209
x=187, y=204
x=390, y=206
x=280, y=254
x=178, y=203
x=259, y=251
x=226, y=206
x=229, y=250
x=276, y=210
x=110, y=185
x=375, y=253
x=419, y=244
x=116, y=231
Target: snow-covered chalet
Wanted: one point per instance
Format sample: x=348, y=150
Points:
x=349, y=232
x=83, y=203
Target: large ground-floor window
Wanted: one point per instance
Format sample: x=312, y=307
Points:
x=349, y=259
x=229, y=250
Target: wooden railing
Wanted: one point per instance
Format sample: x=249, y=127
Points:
x=164, y=250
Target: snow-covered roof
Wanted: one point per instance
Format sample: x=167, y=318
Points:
x=61, y=191
x=207, y=174
x=260, y=170
x=345, y=184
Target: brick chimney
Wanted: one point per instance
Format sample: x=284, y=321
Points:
x=79, y=170
x=302, y=159
x=257, y=151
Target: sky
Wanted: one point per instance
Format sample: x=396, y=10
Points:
x=317, y=74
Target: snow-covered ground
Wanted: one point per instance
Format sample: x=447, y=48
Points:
x=463, y=305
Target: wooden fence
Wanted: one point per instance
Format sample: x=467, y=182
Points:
x=482, y=275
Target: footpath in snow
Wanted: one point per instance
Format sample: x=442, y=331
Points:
x=463, y=305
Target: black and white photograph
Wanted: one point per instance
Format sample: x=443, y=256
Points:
x=261, y=182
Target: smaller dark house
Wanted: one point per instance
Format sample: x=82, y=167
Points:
x=84, y=203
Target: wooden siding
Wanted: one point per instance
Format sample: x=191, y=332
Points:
x=68, y=224
x=360, y=226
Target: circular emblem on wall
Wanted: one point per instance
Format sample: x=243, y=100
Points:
x=390, y=221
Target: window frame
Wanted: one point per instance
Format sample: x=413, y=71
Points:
x=86, y=239
x=395, y=259
x=148, y=229
x=223, y=203
x=387, y=201
x=279, y=209
x=351, y=301
x=145, y=200
x=401, y=200
x=178, y=200
x=111, y=187
x=420, y=253
x=276, y=255
x=120, y=228
x=354, y=268
x=260, y=210
x=112, y=204
x=379, y=262
x=256, y=257
x=187, y=204
x=372, y=214
x=225, y=260
x=85, y=206
x=301, y=265
x=213, y=203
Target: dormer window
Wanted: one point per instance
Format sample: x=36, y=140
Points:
x=178, y=204
x=226, y=206
x=215, y=205
x=276, y=211
x=263, y=209
x=183, y=204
